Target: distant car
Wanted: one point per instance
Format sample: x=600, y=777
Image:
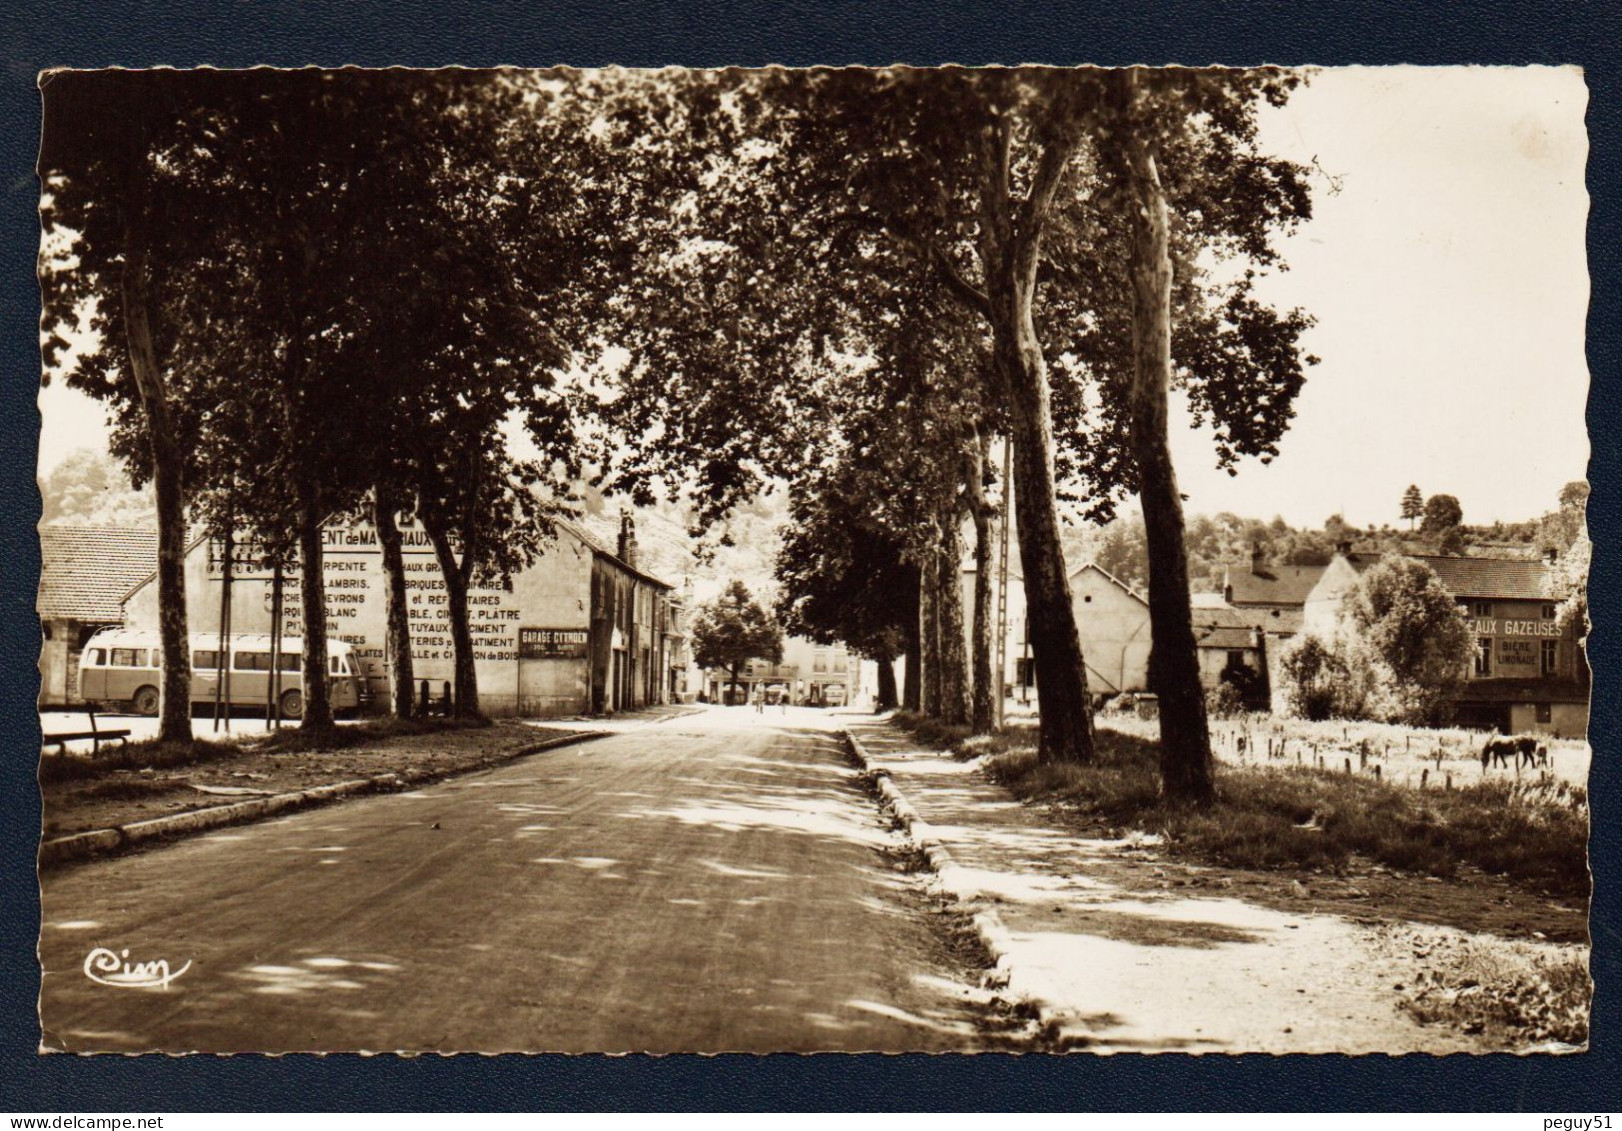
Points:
x=834, y=695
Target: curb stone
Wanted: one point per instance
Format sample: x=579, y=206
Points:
x=80, y=846
x=989, y=927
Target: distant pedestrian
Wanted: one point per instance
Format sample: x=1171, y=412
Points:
x=759, y=699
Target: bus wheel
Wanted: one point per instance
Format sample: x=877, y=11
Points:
x=293, y=704
x=146, y=701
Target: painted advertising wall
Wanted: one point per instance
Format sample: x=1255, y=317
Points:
x=532, y=639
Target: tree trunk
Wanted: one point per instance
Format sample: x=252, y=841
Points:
x=1010, y=249
x=465, y=680
x=929, y=639
x=954, y=657
x=168, y=472
x=987, y=683
x=313, y=603
x=887, y=688
x=397, y=647
x=1066, y=730
x=1186, y=768
x=912, y=678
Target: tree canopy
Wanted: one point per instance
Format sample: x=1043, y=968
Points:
x=733, y=629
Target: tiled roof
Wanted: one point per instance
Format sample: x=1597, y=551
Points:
x=1237, y=638
x=1503, y=578
x=1271, y=585
x=1283, y=621
x=87, y=571
x=1223, y=628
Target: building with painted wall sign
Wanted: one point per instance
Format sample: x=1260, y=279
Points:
x=581, y=631
x=1527, y=672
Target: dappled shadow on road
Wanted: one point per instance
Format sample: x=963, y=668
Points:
x=648, y=892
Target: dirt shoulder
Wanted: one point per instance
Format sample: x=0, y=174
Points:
x=1106, y=913
x=247, y=770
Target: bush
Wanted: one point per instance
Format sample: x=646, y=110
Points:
x=1318, y=682
x=1224, y=701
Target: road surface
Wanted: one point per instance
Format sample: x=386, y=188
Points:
x=716, y=882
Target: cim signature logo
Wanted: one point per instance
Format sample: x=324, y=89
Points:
x=106, y=968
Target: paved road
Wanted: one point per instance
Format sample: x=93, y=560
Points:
x=716, y=882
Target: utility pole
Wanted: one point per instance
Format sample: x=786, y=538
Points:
x=1000, y=645
x=222, y=658
x=273, y=706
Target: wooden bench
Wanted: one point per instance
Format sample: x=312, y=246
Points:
x=97, y=735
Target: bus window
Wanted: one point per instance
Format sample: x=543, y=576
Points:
x=205, y=658
x=292, y=661
x=332, y=665
x=129, y=658
x=252, y=662
x=96, y=657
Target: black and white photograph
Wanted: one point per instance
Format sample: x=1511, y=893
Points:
x=1053, y=560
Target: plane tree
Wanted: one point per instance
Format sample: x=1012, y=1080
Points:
x=733, y=629
x=129, y=255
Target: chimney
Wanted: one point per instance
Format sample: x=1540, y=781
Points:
x=1552, y=555
x=627, y=547
x=1255, y=557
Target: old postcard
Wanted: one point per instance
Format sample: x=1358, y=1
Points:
x=825, y=560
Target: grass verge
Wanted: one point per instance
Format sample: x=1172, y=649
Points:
x=1546, y=999
x=1291, y=816
x=156, y=755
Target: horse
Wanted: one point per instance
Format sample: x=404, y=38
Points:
x=1498, y=751
x=1522, y=750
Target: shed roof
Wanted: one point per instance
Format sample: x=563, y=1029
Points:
x=86, y=571
x=1250, y=584
x=602, y=549
x=1223, y=628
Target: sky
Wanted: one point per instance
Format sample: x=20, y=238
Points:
x=1446, y=269
x=1449, y=281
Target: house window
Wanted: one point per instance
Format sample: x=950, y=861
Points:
x=820, y=663
x=1236, y=659
x=1550, y=650
x=1484, y=655
x=1550, y=612
x=1481, y=608
x=1545, y=712
x=839, y=662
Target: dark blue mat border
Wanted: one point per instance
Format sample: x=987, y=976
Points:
x=431, y=32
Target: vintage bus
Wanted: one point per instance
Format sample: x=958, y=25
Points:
x=121, y=666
